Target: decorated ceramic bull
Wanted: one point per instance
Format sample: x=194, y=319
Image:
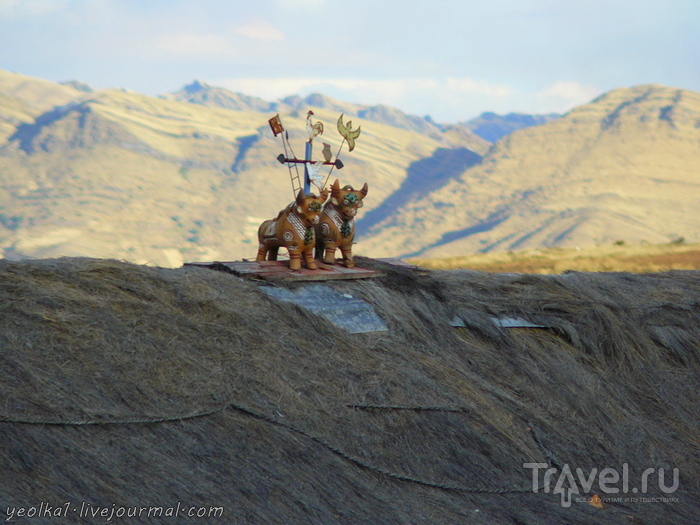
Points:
x=294, y=229
x=336, y=225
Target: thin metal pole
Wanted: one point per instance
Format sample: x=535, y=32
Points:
x=307, y=180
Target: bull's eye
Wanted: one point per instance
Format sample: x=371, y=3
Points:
x=350, y=199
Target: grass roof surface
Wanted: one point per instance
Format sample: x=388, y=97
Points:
x=132, y=386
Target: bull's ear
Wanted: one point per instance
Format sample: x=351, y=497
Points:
x=301, y=196
x=364, y=189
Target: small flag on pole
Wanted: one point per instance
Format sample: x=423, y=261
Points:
x=276, y=125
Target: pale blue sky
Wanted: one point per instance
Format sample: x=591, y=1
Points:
x=449, y=59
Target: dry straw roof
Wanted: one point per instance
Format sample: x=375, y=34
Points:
x=130, y=386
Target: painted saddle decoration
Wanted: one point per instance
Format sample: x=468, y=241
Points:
x=336, y=227
x=294, y=229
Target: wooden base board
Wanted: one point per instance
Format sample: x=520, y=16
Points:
x=279, y=270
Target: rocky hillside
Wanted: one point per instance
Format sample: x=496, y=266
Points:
x=199, y=92
x=24, y=98
x=624, y=167
x=115, y=173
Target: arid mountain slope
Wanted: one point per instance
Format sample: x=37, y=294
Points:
x=493, y=127
x=624, y=167
x=191, y=176
x=201, y=93
x=118, y=174
x=23, y=98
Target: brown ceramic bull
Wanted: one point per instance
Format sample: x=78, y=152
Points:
x=294, y=229
x=336, y=226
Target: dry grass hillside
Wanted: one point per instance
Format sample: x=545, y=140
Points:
x=623, y=167
x=24, y=98
x=201, y=93
x=191, y=175
x=127, y=386
x=118, y=174
x=493, y=127
x=618, y=257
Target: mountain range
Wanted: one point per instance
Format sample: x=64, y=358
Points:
x=493, y=127
x=624, y=167
x=190, y=175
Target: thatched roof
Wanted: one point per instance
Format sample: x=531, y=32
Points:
x=130, y=386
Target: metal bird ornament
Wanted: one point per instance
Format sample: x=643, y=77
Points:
x=347, y=133
x=313, y=129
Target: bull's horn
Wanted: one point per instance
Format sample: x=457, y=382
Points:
x=364, y=189
x=335, y=188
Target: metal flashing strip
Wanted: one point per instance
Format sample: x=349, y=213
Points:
x=343, y=310
x=514, y=322
x=503, y=322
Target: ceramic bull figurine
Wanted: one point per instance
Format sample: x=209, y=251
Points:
x=294, y=229
x=336, y=226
